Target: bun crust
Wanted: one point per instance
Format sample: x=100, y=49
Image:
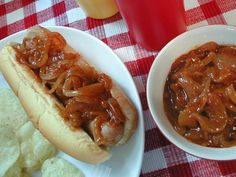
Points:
x=45, y=114
x=128, y=110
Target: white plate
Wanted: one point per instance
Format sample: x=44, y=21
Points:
x=126, y=160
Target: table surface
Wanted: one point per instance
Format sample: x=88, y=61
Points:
x=161, y=158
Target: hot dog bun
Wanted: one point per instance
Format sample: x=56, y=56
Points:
x=46, y=115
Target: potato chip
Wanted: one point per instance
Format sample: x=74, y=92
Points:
x=22, y=148
x=12, y=113
x=27, y=158
x=9, y=149
x=35, y=149
x=25, y=132
x=58, y=167
x=14, y=171
x=24, y=174
x=42, y=148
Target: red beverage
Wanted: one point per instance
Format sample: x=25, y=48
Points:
x=153, y=23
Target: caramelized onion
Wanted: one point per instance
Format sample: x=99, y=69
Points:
x=75, y=119
x=199, y=65
x=106, y=80
x=57, y=41
x=89, y=90
x=225, y=76
x=71, y=84
x=208, y=47
x=38, y=62
x=87, y=99
x=194, y=106
x=58, y=82
x=83, y=95
x=191, y=87
x=180, y=98
x=37, y=50
x=54, y=70
x=194, y=134
x=33, y=52
x=226, y=60
x=230, y=91
x=116, y=114
x=92, y=114
x=230, y=106
x=208, y=59
x=231, y=143
x=207, y=76
x=212, y=72
x=210, y=126
x=217, y=116
x=74, y=105
x=89, y=71
x=76, y=71
x=98, y=137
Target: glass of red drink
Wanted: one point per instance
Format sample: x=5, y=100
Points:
x=153, y=23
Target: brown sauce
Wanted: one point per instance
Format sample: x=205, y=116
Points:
x=200, y=97
x=83, y=93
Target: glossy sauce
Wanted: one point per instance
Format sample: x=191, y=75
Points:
x=199, y=95
x=82, y=93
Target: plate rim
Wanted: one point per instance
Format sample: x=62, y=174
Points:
x=5, y=41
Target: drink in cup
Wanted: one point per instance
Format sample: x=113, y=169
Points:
x=98, y=9
x=153, y=23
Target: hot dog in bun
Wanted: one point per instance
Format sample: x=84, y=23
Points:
x=77, y=108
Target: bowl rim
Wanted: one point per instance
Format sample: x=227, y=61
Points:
x=199, y=151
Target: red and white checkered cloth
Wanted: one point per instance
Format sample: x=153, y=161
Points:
x=161, y=158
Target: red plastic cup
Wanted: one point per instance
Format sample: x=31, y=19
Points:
x=153, y=23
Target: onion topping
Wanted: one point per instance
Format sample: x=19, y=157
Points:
x=199, y=96
x=83, y=94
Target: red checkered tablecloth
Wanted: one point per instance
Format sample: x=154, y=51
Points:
x=161, y=158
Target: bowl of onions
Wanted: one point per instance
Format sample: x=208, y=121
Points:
x=191, y=92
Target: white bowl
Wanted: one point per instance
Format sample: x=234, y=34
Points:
x=185, y=42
